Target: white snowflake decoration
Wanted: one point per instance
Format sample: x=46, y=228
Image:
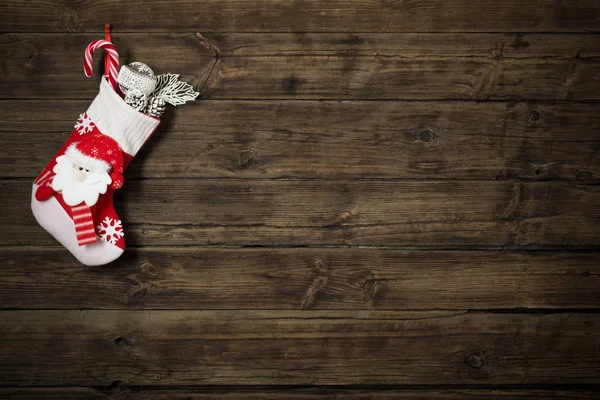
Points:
x=84, y=124
x=110, y=230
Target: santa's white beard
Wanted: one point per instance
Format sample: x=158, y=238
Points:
x=73, y=192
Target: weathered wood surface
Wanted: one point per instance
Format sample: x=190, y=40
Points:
x=395, y=208
x=286, y=393
x=50, y=67
x=305, y=16
x=406, y=45
x=292, y=212
x=403, y=45
x=95, y=348
x=332, y=140
x=176, y=278
x=390, y=78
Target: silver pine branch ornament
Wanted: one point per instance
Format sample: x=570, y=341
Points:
x=173, y=91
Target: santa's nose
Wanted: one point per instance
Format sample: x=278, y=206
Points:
x=80, y=176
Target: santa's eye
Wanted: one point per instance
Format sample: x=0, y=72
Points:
x=81, y=168
x=87, y=170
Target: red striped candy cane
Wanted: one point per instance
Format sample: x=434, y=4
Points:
x=113, y=57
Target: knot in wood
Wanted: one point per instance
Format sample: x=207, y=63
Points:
x=318, y=264
x=427, y=136
x=149, y=269
x=139, y=292
x=534, y=115
x=121, y=341
x=290, y=84
x=246, y=159
x=369, y=289
x=116, y=389
x=72, y=20
x=30, y=61
x=475, y=361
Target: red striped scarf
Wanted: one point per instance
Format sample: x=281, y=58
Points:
x=84, y=224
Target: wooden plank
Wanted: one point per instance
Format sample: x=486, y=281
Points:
x=41, y=66
x=284, y=393
x=320, y=278
x=310, y=139
x=95, y=348
x=250, y=212
x=407, y=45
x=389, y=78
x=306, y=16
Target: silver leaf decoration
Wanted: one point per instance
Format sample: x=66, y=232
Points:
x=173, y=91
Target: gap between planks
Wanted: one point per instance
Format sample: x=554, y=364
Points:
x=399, y=248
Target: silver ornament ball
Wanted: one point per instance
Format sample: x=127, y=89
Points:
x=137, y=75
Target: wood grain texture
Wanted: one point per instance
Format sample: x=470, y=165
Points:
x=333, y=140
x=374, y=199
x=50, y=67
x=254, y=212
x=306, y=16
x=390, y=78
x=320, y=278
x=285, y=393
x=404, y=45
x=95, y=348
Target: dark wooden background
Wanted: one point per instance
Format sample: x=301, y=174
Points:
x=371, y=199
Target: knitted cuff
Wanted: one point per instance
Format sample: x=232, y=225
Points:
x=115, y=118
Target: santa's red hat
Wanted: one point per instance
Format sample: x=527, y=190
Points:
x=98, y=152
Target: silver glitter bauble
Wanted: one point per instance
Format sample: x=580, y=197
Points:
x=136, y=75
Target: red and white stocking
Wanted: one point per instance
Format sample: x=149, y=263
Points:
x=73, y=196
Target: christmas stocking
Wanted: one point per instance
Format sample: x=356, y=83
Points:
x=72, y=198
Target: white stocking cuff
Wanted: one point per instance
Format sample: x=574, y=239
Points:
x=115, y=118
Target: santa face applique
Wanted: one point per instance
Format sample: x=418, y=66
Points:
x=77, y=184
x=86, y=170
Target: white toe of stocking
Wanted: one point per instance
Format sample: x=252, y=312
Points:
x=54, y=219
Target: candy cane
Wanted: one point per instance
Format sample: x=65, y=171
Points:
x=113, y=57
